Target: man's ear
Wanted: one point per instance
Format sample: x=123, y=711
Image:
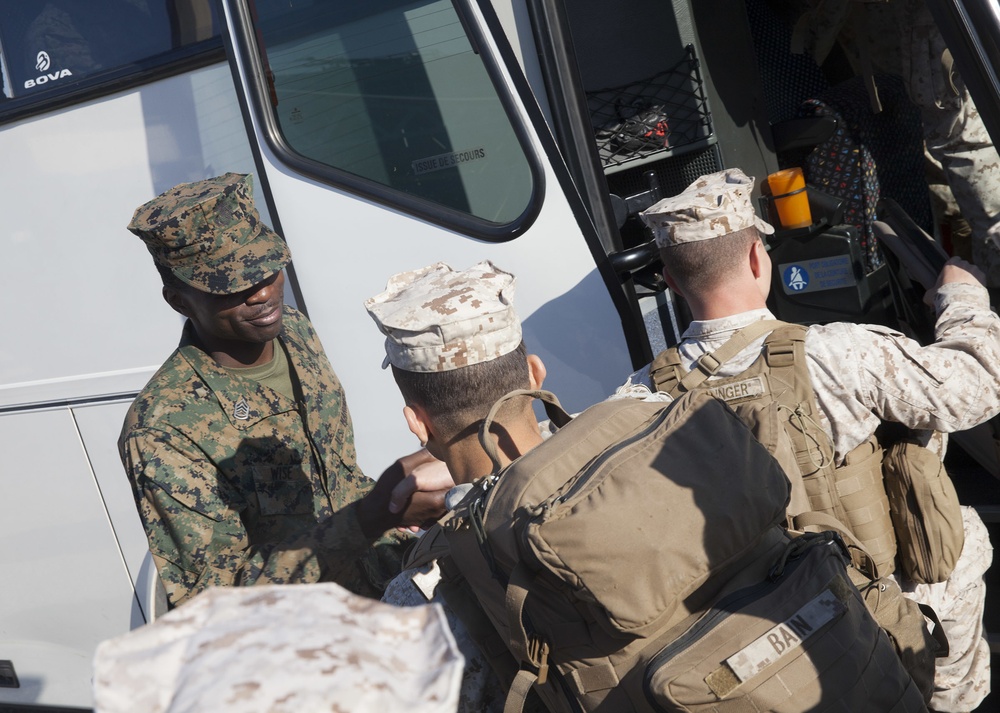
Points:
x=176, y=300
x=416, y=419
x=671, y=283
x=758, y=253
x=536, y=372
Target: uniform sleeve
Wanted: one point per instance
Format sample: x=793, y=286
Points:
x=863, y=374
x=197, y=537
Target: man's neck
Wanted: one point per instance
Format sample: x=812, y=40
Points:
x=467, y=460
x=234, y=354
x=725, y=303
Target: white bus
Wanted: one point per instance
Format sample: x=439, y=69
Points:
x=383, y=136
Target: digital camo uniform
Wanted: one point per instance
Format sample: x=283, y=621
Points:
x=481, y=691
x=861, y=375
x=901, y=38
x=436, y=319
x=288, y=649
x=232, y=478
x=236, y=483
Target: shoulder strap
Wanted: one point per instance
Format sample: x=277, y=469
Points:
x=708, y=364
x=665, y=372
x=553, y=408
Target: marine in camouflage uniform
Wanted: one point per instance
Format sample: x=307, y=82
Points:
x=900, y=37
x=861, y=375
x=240, y=479
x=440, y=321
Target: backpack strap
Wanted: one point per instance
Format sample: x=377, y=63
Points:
x=709, y=364
x=457, y=592
x=553, y=408
x=666, y=372
x=527, y=649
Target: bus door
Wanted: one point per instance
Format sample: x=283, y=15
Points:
x=393, y=134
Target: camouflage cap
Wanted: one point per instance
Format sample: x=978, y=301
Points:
x=437, y=319
x=714, y=205
x=209, y=235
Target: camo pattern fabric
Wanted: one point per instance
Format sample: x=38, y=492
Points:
x=712, y=206
x=209, y=234
x=961, y=679
x=481, y=691
x=236, y=484
x=863, y=374
x=285, y=649
x=438, y=319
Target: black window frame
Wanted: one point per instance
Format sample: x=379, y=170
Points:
x=425, y=209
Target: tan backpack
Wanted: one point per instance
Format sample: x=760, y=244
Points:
x=638, y=525
x=920, y=512
x=777, y=386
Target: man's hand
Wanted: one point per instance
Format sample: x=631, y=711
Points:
x=419, y=497
x=408, y=495
x=956, y=270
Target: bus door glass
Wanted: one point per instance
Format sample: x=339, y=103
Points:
x=393, y=94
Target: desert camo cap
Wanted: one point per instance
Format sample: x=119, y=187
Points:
x=438, y=319
x=209, y=234
x=714, y=205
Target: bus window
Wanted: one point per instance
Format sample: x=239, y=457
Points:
x=392, y=92
x=52, y=45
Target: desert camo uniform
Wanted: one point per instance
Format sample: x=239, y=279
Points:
x=861, y=375
x=473, y=322
x=238, y=483
x=282, y=649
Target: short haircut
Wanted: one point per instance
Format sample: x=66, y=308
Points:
x=458, y=398
x=707, y=264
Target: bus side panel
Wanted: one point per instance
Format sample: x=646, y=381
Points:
x=65, y=585
x=86, y=327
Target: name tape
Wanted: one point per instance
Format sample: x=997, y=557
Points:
x=784, y=638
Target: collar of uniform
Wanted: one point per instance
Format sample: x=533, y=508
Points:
x=245, y=401
x=723, y=325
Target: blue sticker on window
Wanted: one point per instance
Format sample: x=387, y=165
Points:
x=817, y=275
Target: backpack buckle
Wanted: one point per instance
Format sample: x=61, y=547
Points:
x=538, y=652
x=780, y=354
x=708, y=364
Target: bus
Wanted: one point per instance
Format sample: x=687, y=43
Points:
x=382, y=136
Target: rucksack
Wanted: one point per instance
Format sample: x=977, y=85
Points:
x=777, y=387
x=850, y=499
x=634, y=525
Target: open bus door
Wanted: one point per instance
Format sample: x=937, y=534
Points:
x=394, y=134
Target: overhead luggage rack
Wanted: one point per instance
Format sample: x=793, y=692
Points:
x=649, y=119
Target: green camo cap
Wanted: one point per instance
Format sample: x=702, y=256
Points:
x=209, y=235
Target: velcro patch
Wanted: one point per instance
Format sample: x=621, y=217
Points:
x=783, y=639
x=746, y=389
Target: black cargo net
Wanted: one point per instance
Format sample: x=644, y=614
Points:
x=658, y=114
